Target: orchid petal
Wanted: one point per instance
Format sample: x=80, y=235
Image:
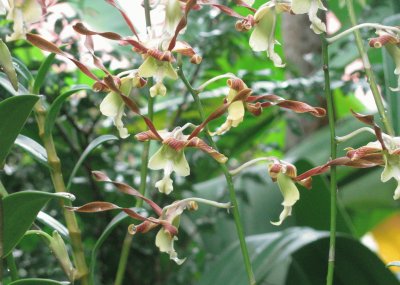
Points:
x=148, y=68
x=290, y=196
x=165, y=185
x=165, y=242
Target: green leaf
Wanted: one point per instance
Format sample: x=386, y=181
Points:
x=49, y=221
x=118, y=219
x=23, y=70
x=56, y=106
x=95, y=143
x=13, y=114
x=298, y=256
x=35, y=149
x=7, y=65
x=38, y=281
x=42, y=72
x=5, y=83
x=20, y=210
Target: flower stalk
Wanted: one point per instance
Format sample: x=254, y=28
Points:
x=126, y=245
x=267, y=159
x=360, y=26
x=229, y=180
x=368, y=70
x=333, y=182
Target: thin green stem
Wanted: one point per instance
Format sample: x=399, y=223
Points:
x=368, y=70
x=333, y=182
x=360, y=26
x=228, y=177
x=59, y=186
x=126, y=245
x=12, y=267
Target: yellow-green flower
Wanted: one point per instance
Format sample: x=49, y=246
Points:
x=311, y=8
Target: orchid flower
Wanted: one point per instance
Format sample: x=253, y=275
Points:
x=239, y=99
x=310, y=7
x=171, y=157
x=391, y=41
x=113, y=106
x=167, y=218
x=263, y=36
x=23, y=13
x=173, y=14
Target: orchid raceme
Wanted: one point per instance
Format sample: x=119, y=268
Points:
x=23, y=13
x=167, y=217
x=311, y=8
x=391, y=41
x=171, y=157
x=113, y=106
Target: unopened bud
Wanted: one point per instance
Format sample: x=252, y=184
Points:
x=132, y=229
x=193, y=206
x=196, y=59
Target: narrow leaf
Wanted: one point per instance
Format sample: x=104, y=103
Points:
x=56, y=107
x=94, y=144
x=36, y=150
x=38, y=281
x=43, y=70
x=49, y=221
x=7, y=65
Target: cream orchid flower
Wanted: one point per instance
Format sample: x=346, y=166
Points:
x=113, y=106
x=173, y=14
x=171, y=157
x=23, y=13
x=310, y=7
x=263, y=36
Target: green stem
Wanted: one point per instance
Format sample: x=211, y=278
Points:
x=126, y=245
x=368, y=70
x=12, y=267
x=333, y=183
x=228, y=177
x=59, y=186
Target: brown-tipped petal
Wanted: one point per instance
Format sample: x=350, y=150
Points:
x=94, y=207
x=100, y=176
x=125, y=188
x=83, y=30
x=45, y=45
x=200, y=144
x=226, y=10
x=242, y=95
x=182, y=23
x=312, y=172
x=291, y=170
x=244, y=4
x=161, y=55
x=307, y=182
x=172, y=230
x=383, y=40
x=145, y=227
x=125, y=16
x=300, y=107
x=175, y=144
x=236, y=83
x=256, y=109
x=146, y=136
x=184, y=49
x=274, y=170
x=131, y=213
x=358, y=153
x=366, y=119
x=196, y=59
x=214, y=115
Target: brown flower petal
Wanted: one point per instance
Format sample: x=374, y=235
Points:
x=200, y=144
x=125, y=16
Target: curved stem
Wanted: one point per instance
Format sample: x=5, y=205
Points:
x=216, y=78
x=228, y=177
x=235, y=171
x=368, y=70
x=333, y=183
x=360, y=26
x=199, y=200
x=344, y=138
x=126, y=245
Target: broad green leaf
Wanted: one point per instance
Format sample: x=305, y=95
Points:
x=56, y=106
x=49, y=221
x=23, y=70
x=7, y=65
x=13, y=114
x=35, y=149
x=118, y=219
x=42, y=72
x=38, y=281
x=95, y=143
x=20, y=210
x=296, y=254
